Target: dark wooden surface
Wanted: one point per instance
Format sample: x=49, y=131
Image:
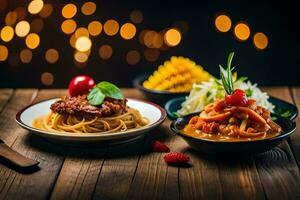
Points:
x=131, y=171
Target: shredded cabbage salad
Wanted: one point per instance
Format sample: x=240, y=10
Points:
x=208, y=92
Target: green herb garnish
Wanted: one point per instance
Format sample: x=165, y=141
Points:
x=249, y=92
x=282, y=112
x=102, y=90
x=226, y=75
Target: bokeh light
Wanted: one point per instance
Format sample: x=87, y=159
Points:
x=88, y=8
x=11, y=18
x=3, y=53
x=35, y=6
x=47, y=78
x=223, y=23
x=136, y=16
x=242, y=31
x=68, y=26
x=127, y=31
x=46, y=11
x=95, y=28
x=22, y=28
x=111, y=27
x=37, y=25
x=81, y=57
x=83, y=44
x=51, y=55
x=133, y=57
x=73, y=40
x=32, y=40
x=81, y=31
x=151, y=55
x=21, y=13
x=105, y=51
x=172, y=37
x=260, y=40
x=7, y=33
x=69, y=11
x=25, y=56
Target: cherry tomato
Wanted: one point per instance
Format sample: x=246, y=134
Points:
x=81, y=85
x=238, y=98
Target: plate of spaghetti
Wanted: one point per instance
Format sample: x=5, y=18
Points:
x=234, y=124
x=102, y=114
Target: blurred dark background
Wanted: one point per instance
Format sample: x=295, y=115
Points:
x=277, y=64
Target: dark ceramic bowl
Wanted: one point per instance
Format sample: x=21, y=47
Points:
x=241, y=147
x=156, y=96
x=283, y=108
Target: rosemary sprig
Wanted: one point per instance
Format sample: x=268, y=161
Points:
x=226, y=75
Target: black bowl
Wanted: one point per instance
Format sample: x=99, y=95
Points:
x=240, y=147
x=157, y=96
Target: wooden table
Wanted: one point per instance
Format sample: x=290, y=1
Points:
x=132, y=171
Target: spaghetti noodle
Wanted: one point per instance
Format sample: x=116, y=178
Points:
x=119, y=122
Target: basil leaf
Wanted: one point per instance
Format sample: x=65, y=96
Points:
x=110, y=90
x=249, y=92
x=95, y=97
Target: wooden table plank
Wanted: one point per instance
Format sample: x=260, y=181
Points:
x=5, y=95
x=277, y=168
x=73, y=176
x=36, y=185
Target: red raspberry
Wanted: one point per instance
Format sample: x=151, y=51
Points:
x=176, y=158
x=158, y=146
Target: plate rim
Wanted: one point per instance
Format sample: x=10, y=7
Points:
x=172, y=117
x=163, y=115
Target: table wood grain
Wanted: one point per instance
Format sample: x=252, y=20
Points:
x=132, y=171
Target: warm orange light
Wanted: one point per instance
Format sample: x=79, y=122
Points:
x=69, y=11
x=83, y=44
x=133, y=57
x=242, y=31
x=47, y=78
x=172, y=37
x=223, y=23
x=152, y=39
x=81, y=57
x=3, y=53
x=111, y=27
x=95, y=28
x=105, y=51
x=260, y=40
x=157, y=41
x=136, y=16
x=35, y=6
x=32, y=40
x=21, y=13
x=46, y=11
x=37, y=25
x=26, y=56
x=88, y=8
x=68, y=26
x=7, y=33
x=81, y=31
x=11, y=18
x=127, y=31
x=73, y=40
x=22, y=28
x=51, y=55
